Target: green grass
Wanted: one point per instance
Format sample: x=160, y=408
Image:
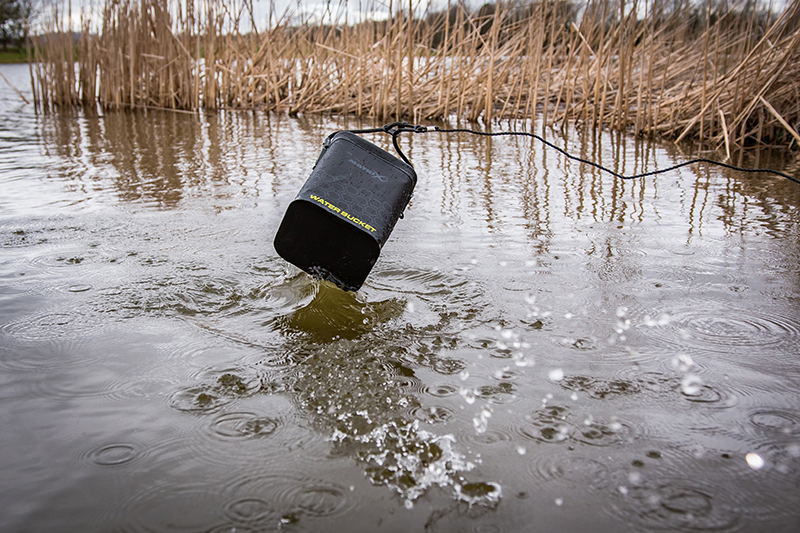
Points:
x=13, y=56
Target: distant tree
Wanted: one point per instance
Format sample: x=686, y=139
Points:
x=14, y=15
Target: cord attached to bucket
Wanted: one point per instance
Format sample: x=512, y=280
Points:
x=396, y=128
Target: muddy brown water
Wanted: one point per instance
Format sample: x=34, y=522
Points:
x=540, y=347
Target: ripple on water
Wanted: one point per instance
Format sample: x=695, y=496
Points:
x=439, y=391
x=172, y=507
x=286, y=499
x=572, y=471
x=24, y=355
x=113, y=455
x=677, y=505
x=600, y=388
x=448, y=365
x=217, y=388
x=554, y=424
x=499, y=393
x=772, y=429
x=73, y=384
x=659, y=385
x=491, y=437
x=776, y=421
x=423, y=282
x=729, y=330
x=49, y=325
x=436, y=414
x=244, y=425
x=547, y=425
x=63, y=258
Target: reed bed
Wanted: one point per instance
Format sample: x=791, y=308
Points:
x=723, y=74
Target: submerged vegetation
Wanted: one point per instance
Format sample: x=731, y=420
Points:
x=724, y=74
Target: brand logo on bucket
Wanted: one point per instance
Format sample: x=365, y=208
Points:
x=368, y=170
x=341, y=212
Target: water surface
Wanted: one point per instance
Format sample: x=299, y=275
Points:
x=539, y=347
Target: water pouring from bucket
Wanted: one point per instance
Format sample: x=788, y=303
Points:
x=337, y=225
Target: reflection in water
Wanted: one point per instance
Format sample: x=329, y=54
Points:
x=538, y=347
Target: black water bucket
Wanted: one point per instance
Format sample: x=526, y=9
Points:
x=336, y=226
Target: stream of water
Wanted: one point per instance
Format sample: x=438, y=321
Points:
x=540, y=347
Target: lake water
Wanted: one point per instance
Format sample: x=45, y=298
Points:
x=540, y=347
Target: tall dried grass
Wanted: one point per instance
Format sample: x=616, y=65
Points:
x=725, y=74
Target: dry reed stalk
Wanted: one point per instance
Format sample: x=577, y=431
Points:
x=657, y=75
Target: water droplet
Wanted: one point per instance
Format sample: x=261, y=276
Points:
x=623, y=490
x=557, y=374
x=568, y=315
x=410, y=307
x=635, y=478
x=574, y=396
x=559, y=501
x=409, y=504
x=521, y=450
x=755, y=461
x=468, y=395
x=621, y=311
x=691, y=385
x=503, y=263
x=682, y=362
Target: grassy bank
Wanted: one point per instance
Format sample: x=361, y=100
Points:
x=13, y=55
x=722, y=74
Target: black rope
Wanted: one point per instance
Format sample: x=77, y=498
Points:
x=396, y=128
